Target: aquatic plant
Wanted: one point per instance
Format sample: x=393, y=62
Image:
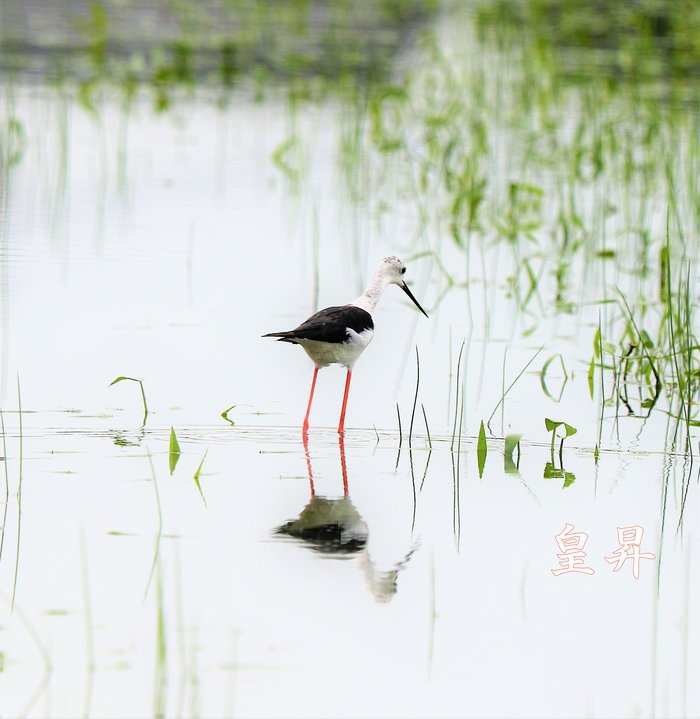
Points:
x=174, y=451
x=481, y=449
x=143, y=393
x=552, y=426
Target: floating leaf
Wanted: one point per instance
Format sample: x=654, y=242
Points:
x=551, y=424
x=174, y=454
x=569, y=429
x=552, y=472
x=569, y=479
x=481, y=449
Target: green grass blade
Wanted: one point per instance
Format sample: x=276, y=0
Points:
x=196, y=479
x=481, y=449
x=121, y=379
x=511, y=442
x=174, y=453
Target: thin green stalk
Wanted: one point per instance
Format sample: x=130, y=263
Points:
x=161, y=669
x=684, y=414
x=7, y=484
x=602, y=383
x=643, y=345
x=415, y=401
x=89, y=640
x=398, y=453
x=19, y=498
x=510, y=387
x=427, y=429
x=457, y=390
x=156, y=550
x=398, y=415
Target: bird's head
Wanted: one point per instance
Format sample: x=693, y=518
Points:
x=392, y=272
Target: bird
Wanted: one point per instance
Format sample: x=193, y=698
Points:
x=339, y=335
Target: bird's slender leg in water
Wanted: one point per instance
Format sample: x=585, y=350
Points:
x=305, y=440
x=343, y=466
x=305, y=426
x=341, y=426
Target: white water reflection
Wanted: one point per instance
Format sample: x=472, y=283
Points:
x=333, y=527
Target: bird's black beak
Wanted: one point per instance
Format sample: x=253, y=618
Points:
x=404, y=287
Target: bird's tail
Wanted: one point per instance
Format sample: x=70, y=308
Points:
x=281, y=336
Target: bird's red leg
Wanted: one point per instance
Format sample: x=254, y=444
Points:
x=343, y=466
x=305, y=426
x=341, y=426
x=305, y=440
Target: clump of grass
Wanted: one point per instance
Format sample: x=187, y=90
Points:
x=655, y=356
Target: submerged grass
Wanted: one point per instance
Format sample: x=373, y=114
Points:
x=19, y=496
x=6, y=503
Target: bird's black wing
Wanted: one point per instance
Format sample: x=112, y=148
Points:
x=330, y=325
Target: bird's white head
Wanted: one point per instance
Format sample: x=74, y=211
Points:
x=391, y=271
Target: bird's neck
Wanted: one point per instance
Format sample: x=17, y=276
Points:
x=369, y=298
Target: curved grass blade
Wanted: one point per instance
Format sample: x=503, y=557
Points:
x=512, y=384
x=122, y=378
x=224, y=414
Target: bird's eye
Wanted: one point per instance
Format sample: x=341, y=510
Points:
x=403, y=270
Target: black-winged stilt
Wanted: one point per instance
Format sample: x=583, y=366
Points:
x=338, y=335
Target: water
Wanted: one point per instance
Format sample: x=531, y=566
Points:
x=161, y=246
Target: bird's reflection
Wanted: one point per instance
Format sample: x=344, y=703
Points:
x=333, y=527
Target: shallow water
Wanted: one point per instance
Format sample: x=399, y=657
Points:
x=161, y=247
x=445, y=592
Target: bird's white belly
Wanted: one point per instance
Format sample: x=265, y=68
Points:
x=346, y=353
